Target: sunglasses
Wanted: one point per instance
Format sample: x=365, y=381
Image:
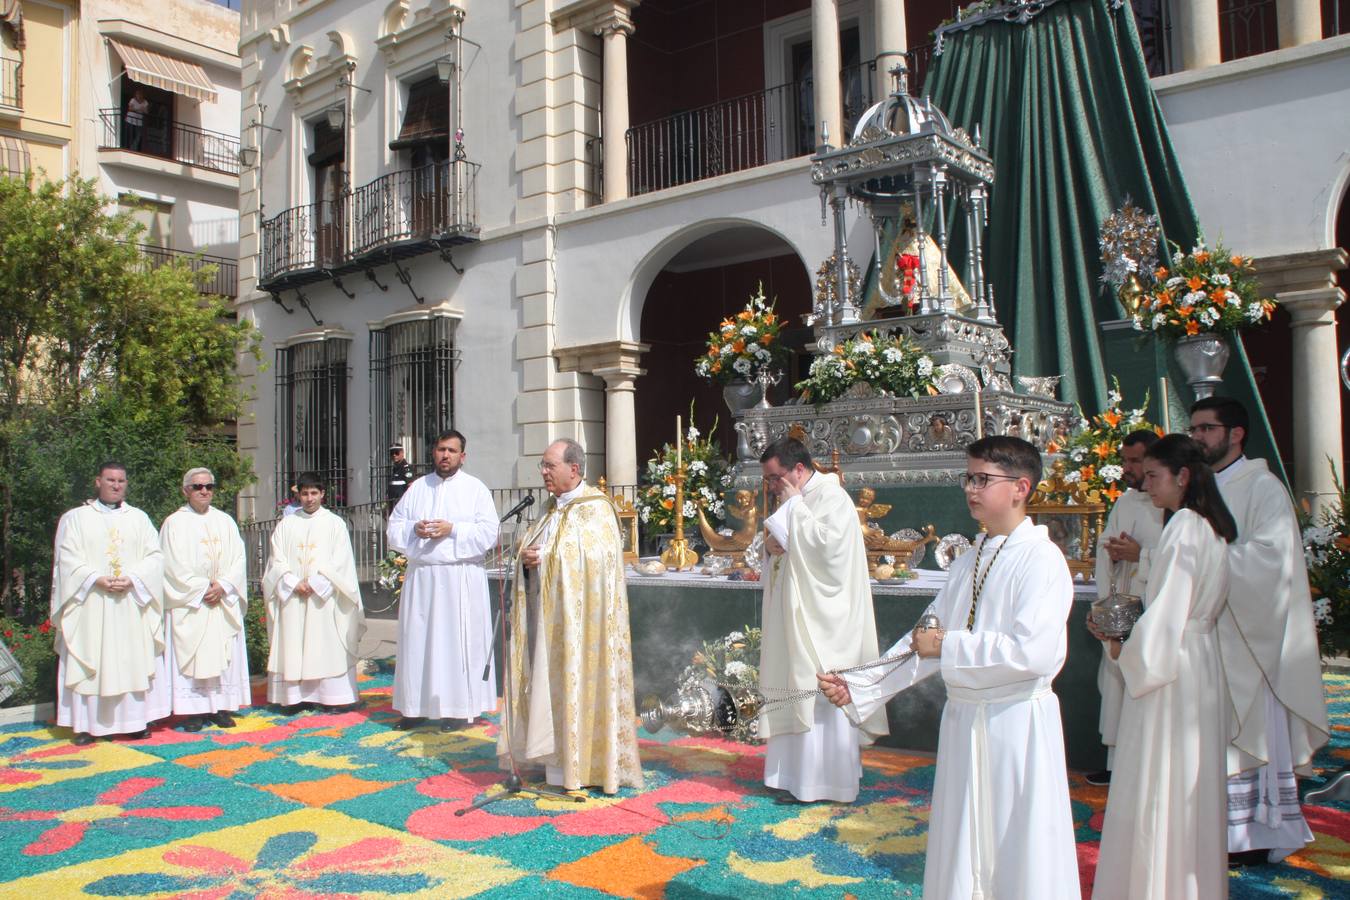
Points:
x=202, y=487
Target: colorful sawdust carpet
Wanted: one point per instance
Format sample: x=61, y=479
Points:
x=341, y=804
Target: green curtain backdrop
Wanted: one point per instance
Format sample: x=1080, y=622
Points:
x=1066, y=110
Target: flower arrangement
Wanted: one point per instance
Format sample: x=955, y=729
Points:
x=1205, y=291
x=1326, y=547
x=744, y=345
x=906, y=265
x=1093, y=450
x=33, y=648
x=707, y=476
x=731, y=661
x=391, y=571
x=889, y=363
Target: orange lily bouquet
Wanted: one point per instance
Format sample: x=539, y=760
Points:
x=1093, y=451
x=1204, y=291
x=745, y=345
x=707, y=478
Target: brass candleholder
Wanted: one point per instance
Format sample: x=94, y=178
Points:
x=678, y=555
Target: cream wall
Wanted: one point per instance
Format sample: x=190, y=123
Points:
x=49, y=101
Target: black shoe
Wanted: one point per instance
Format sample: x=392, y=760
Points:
x=223, y=719
x=292, y=710
x=452, y=725
x=1246, y=858
x=192, y=723
x=144, y=733
x=1100, y=778
x=408, y=723
x=82, y=739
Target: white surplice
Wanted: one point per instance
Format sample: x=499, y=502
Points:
x=111, y=675
x=205, y=645
x=1165, y=833
x=314, y=639
x=1270, y=657
x=444, y=618
x=1001, y=827
x=817, y=616
x=1135, y=515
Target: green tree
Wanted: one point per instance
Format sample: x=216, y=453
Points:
x=102, y=355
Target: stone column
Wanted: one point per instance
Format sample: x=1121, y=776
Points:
x=1298, y=22
x=1304, y=283
x=892, y=42
x=621, y=464
x=615, y=28
x=1198, y=31
x=825, y=64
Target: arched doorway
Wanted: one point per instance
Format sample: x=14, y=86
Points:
x=711, y=278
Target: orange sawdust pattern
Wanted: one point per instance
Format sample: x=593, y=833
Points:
x=328, y=790
x=228, y=762
x=628, y=869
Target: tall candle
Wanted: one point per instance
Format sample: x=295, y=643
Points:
x=979, y=416
x=1165, y=406
x=679, y=443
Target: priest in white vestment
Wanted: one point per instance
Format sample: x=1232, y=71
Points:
x=1165, y=834
x=1269, y=645
x=444, y=525
x=569, y=660
x=817, y=616
x=205, y=599
x=314, y=615
x=1001, y=824
x=108, y=608
x=1123, y=565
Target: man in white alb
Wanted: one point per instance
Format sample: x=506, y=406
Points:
x=817, y=616
x=205, y=599
x=1131, y=532
x=107, y=606
x=444, y=524
x=314, y=615
x=1268, y=643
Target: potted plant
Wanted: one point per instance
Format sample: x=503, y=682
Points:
x=742, y=348
x=1093, y=450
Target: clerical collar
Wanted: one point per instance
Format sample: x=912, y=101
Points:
x=108, y=507
x=1228, y=472
x=568, y=496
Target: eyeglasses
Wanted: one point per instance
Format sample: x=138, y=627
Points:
x=1205, y=428
x=980, y=480
x=202, y=487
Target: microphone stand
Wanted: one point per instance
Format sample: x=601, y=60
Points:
x=512, y=785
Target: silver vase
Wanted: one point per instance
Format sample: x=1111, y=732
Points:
x=741, y=394
x=1203, y=358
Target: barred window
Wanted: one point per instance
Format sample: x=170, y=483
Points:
x=412, y=392
x=311, y=414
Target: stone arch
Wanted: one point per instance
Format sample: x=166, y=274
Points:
x=394, y=18
x=301, y=62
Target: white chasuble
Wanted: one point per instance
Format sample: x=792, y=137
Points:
x=444, y=618
x=1270, y=657
x=1135, y=515
x=111, y=675
x=1001, y=825
x=1165, y=833
x=314, y=639
x=569, y=657
x=817, y=616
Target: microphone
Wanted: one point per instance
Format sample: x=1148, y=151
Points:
x=519, y=507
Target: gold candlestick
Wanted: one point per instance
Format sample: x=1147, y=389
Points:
x=678, y=555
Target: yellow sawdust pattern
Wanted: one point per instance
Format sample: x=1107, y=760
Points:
x=801, y=870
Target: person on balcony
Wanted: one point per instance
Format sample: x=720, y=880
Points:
x=314, y=615
x=138, y=108
x=205, y=597
x=444, y=526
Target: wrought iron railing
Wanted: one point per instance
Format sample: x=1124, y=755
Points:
x=223, y=282
x=303, y=237
x=157, y=136
x=1247, y=27
x=11, y=82
x=918, y=60
x=415, y=205
x=1153, y=18
x=737, y=134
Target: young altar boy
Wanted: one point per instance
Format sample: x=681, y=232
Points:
x=1000, y=824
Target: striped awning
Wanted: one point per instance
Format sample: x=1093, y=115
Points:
x=167, y=72
x=14, y=157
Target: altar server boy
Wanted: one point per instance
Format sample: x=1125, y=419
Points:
x=1001, y=824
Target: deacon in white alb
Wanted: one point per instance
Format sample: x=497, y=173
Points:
x=314, y=615
x=1123, y=563
x=108, y=611
x=1269, y=645
x=444, y=524
x=1001, y=824
x=205, y=597
x=817, y=616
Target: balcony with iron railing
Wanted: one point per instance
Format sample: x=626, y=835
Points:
x=11, y=83
x=222, y=281
x=158, y=136
x=401, y=214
